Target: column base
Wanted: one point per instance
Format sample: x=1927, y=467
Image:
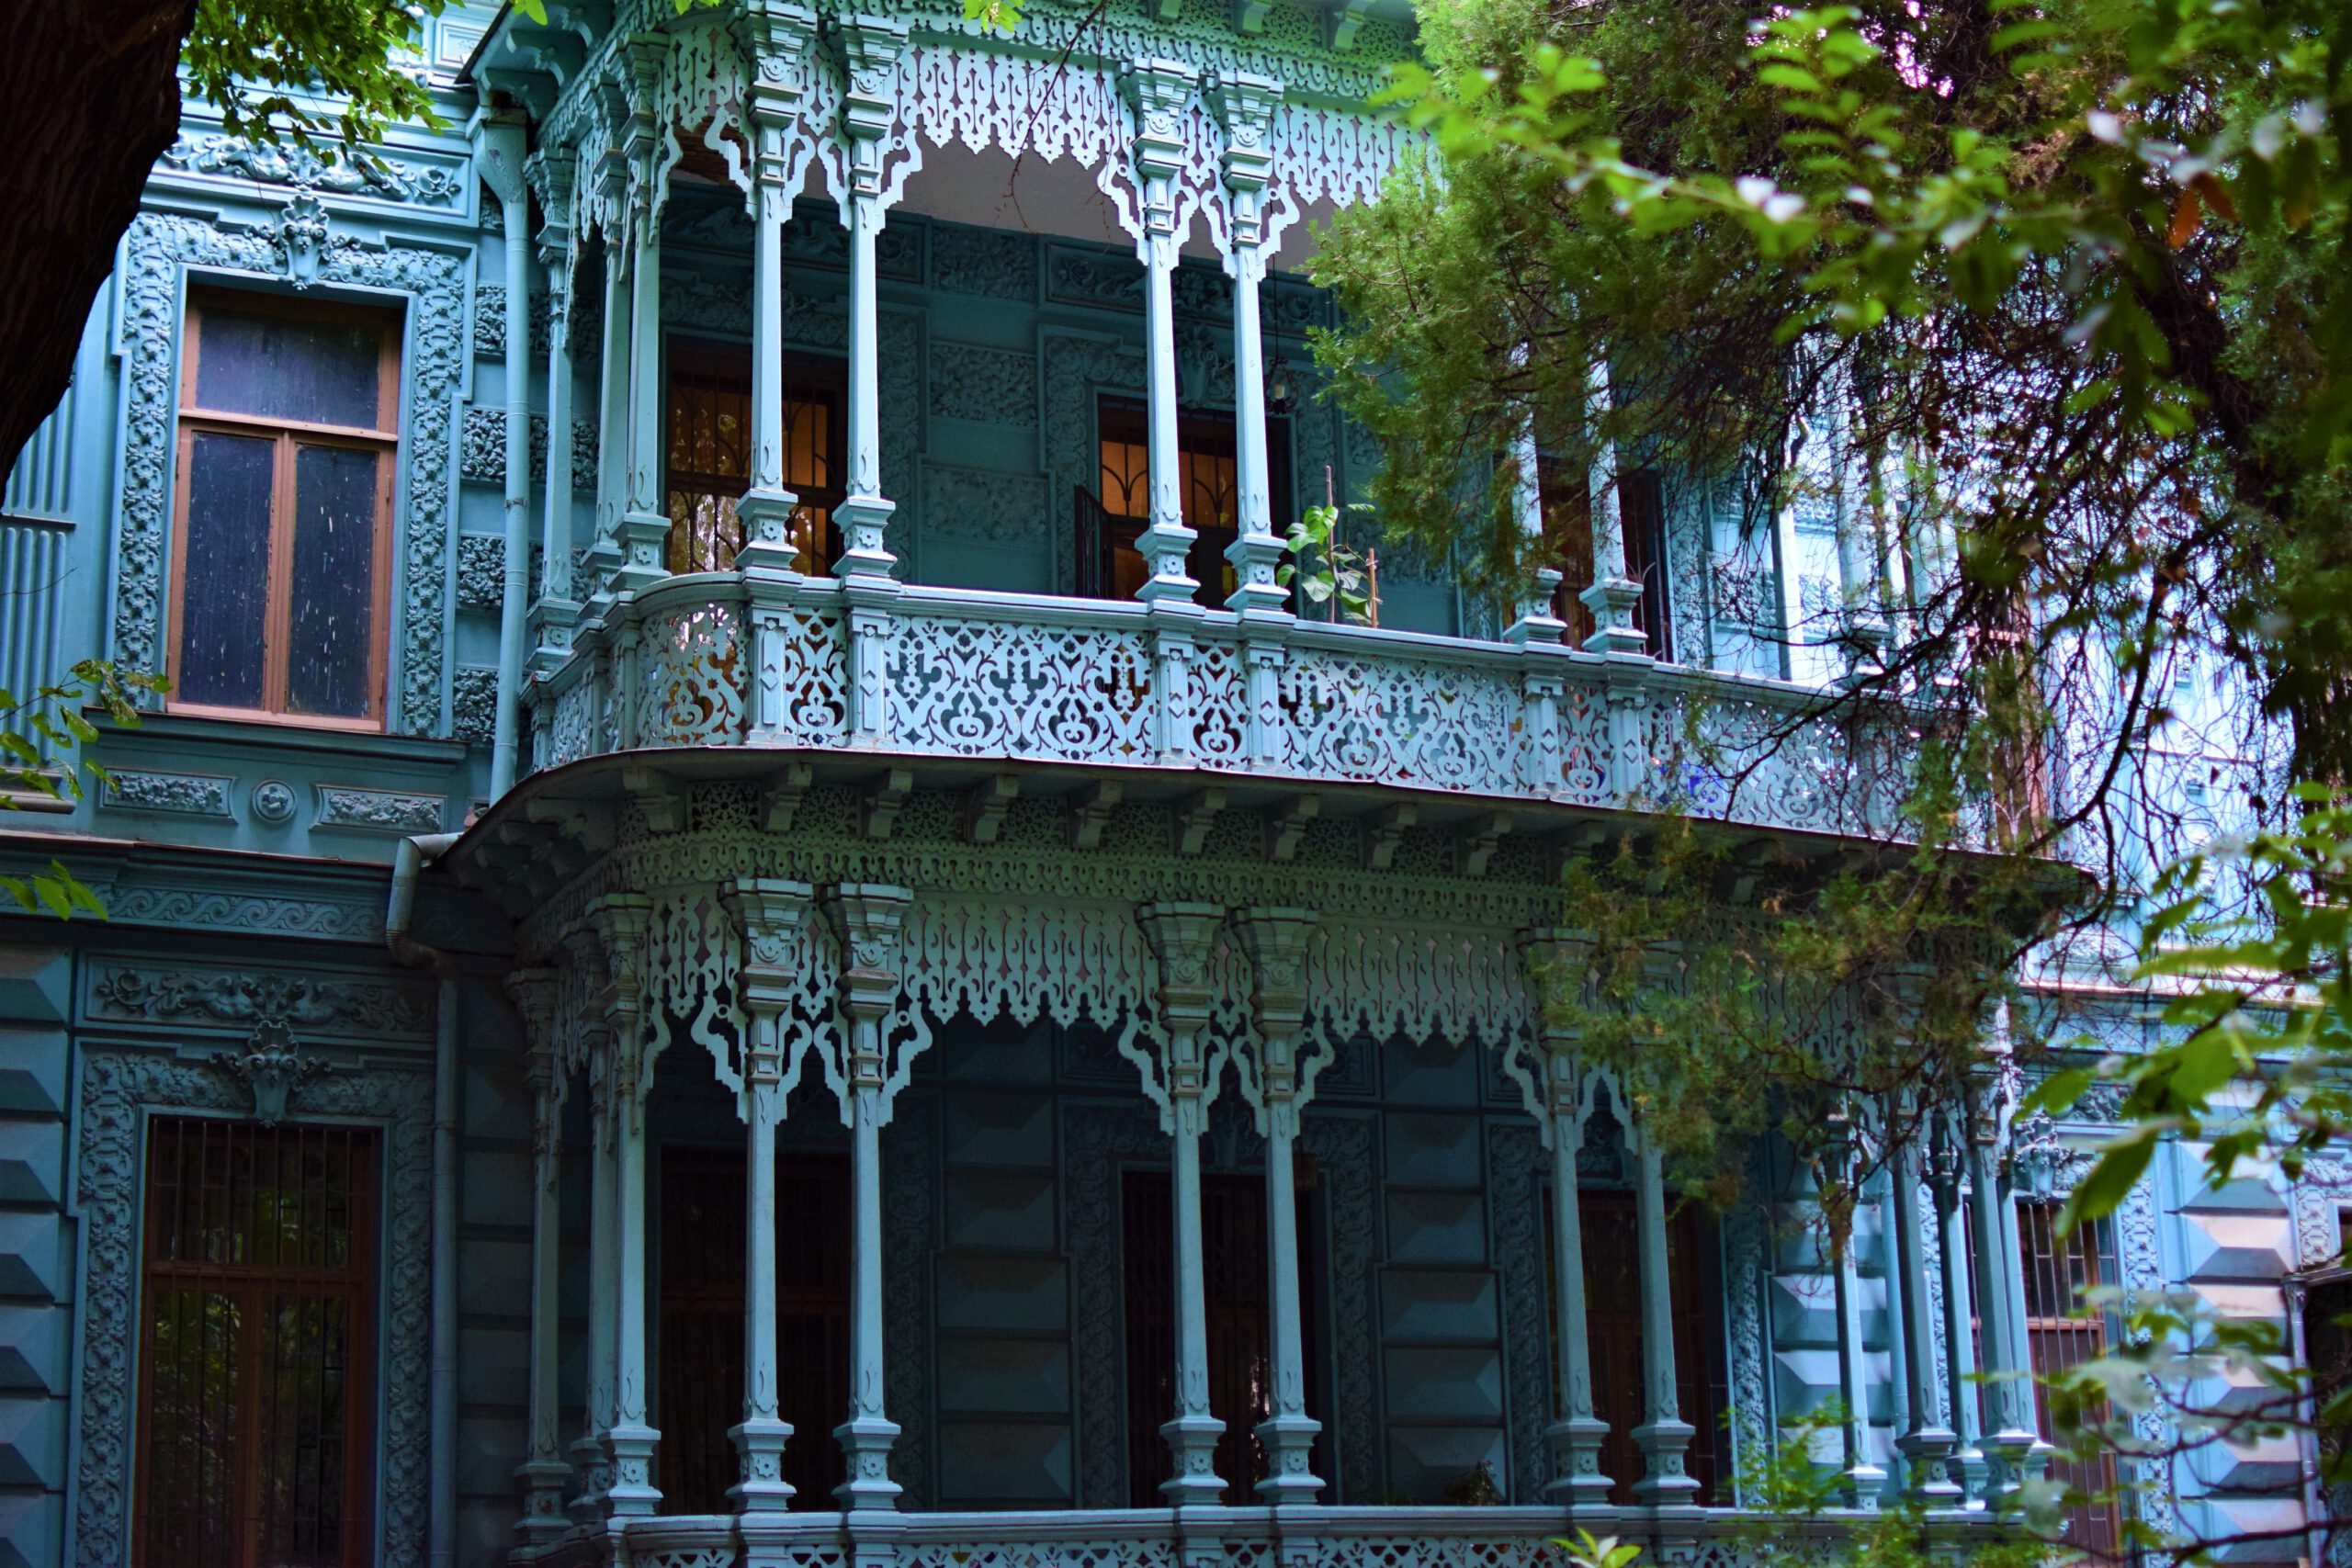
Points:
x=1861, y=1484
x=551, y=643
x=1192, y=1444
x=595, y=1475
x=1927, y=1467
x=1289, y=1442
x=1577, y=1479
x=1663, y=1482
x=866, y=1441
x=2011, y=1459
x=1967, y=1467
x=766, y=516
x=1164, y=548
x=632, y=1495
x=862, y=519
x=759, y=1442
x=543, y=1480
x=644, y=536
x=1612, y=601
x=1255, y=559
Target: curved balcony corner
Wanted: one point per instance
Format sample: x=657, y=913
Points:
x=755, y=660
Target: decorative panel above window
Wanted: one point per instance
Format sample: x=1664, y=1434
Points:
x=281, y=563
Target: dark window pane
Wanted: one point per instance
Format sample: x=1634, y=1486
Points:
x=224, y=607
x=289, y=367
x=334, y=586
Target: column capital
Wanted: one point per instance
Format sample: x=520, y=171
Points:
x=1184, y=938
x=872, y=46
x=868, y=918
x=1159, y=91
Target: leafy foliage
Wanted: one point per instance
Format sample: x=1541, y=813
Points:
x=318, y=73
x=40, y=741
x=1323, y=567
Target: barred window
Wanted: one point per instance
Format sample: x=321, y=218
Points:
x=257, y=1346
x=2063, y=1331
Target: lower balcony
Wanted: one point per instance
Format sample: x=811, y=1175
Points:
x=1308, y=1537
x=871, y=665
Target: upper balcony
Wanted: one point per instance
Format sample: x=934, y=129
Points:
x=751, y=659
x=932, y=471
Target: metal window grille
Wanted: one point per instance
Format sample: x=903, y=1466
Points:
x=701, y=1323
x=1233, y=1237
x=2063, y=1331
x=258, y=1345
x=1613, y=1289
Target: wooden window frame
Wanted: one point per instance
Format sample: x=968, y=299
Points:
x=253, y=1284
x=1123, y=419
x=720, y=359
x=383, y=439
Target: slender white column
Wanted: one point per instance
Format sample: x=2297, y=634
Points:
x=781, y=34
x=1557, y=961
x=869, y=917
x=1927, y=1443
x=1182, y=937
x=1275, y=939
x=769, y=915
x=1861, y=1478
x=612, y=420
x=1944, y=1177
x=632, y=1440
x=2011, y=1437
x=1863, y=622
x=1613, y=594
x=872, y=46
x=1245, y=105
x=645, y=518
x=557, y=608
x=1664, y=1438
x=544, y=1471
x=588, y=1452
x=1160, y=91
x=1576, y=1436
x=760, y=1436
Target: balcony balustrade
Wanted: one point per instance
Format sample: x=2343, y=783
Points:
x=1308, y=1537
x=779, y=661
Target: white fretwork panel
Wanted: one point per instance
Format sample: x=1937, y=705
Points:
x=1385, y=718
x=990, y=688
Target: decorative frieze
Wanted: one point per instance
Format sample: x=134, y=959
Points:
x=991, y=263
x=150, y=992
x=385, y=175
x=182, y=908
x=379, y=810
x=185, y=795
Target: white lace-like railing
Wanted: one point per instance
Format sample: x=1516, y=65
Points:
x=1226, y=1537
x=729, y=660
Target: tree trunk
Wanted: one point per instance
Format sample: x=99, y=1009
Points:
x=89, y=99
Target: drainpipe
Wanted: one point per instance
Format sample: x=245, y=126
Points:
x=442, y=1483
x=500, y=144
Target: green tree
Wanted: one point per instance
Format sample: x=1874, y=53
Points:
x=41, y=736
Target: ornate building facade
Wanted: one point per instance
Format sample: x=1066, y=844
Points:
x=752, y=933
